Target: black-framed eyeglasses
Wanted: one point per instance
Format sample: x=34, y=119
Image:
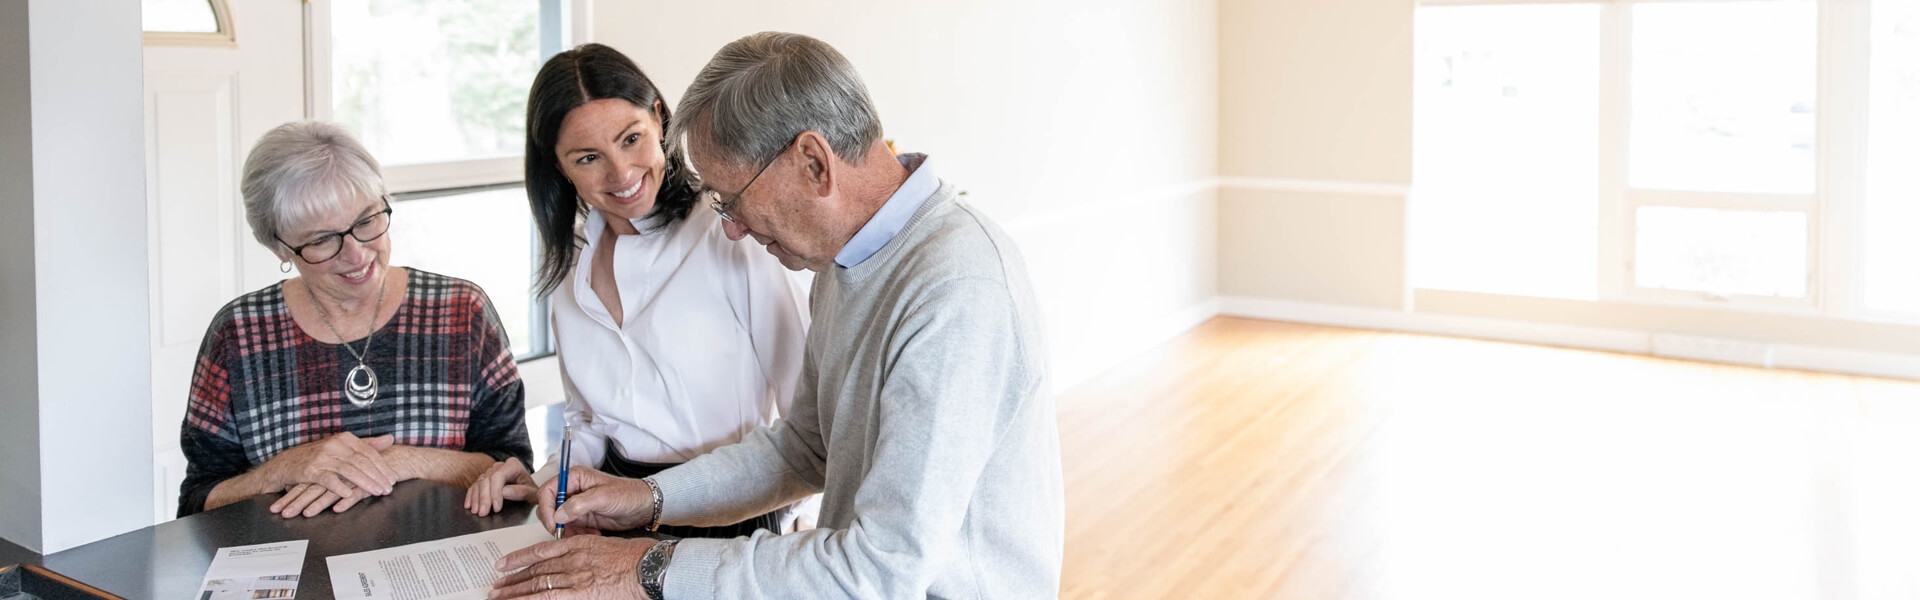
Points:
x=365, y=230
x=725, y=207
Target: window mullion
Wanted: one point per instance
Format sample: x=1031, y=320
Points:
x=1616, y=213
x=1845, y=42
x=318, y=31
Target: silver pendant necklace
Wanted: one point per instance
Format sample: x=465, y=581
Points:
x=362, y=387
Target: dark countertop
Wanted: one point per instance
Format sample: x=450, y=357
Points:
x=169, y=560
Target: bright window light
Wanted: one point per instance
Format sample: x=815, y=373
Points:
x=1723, y=96
x=1721, y=252
x=480, y=237
x=178, y=16
x=1892, y=225
x=1505, y=150
x=424, y=82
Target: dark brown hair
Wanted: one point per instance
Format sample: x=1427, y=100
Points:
x=568, y=80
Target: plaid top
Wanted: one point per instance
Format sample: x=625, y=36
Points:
x=261, y=385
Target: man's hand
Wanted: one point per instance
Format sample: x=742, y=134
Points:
x=597, y=500
x=505, y=480
x=343, y=465
x=586, y=567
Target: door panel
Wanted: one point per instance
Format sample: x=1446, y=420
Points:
x=206, y=104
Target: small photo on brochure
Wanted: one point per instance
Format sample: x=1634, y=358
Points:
x=251, y=588
x=254, y=572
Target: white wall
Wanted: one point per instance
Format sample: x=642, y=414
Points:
x=1087, y=128
x=87, y=322
x=19, y=406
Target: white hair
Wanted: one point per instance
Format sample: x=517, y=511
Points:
x=301, y=170
x=761, y=91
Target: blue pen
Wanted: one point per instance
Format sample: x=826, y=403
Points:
x=566, y=460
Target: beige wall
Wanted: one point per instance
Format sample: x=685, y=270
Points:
x=1313, y=247
x=1315, y=96
x=1317, y=89
x=1087, y=128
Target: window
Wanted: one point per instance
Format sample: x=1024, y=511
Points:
x=1723, y=252
x=186, y=22
x=1723, y=96
x=1720, y=162
x=461, y=234
x=1670, y=151
x=437, y=90
x=1891, y=260
x=428, y=82
x=1506, y=109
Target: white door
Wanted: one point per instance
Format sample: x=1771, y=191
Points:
x=206, y=102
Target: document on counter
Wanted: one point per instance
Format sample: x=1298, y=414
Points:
x=456, y=568
x=257, y=571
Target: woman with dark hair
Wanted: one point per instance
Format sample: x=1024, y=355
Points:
x=673, y=339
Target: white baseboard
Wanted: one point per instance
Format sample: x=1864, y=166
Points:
x=1394, y=320
x=1843, y=360
x=1714, y=349
x=1743, y=352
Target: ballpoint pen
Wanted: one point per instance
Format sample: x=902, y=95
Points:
x=566, y=460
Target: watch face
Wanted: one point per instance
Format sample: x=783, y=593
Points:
x=653, y=565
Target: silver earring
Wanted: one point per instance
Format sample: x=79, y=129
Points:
x=286, y=266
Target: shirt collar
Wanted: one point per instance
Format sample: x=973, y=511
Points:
x=597, y=222
x=892, y=216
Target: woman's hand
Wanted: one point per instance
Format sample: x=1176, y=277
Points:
x=505, y=480
x=343, y=465
x=307, y=500
x=576, y=567
x=598, y=501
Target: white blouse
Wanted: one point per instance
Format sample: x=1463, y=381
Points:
x=712, y=342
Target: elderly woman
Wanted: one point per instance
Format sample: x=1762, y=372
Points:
x=334, y=385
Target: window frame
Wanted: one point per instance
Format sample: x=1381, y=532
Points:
x=1834, y=210
x=563, y=23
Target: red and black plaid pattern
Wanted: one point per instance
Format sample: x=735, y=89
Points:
x=261, y=385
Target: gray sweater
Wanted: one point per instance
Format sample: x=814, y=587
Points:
x=922, y=413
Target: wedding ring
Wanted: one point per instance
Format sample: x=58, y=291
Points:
x=549, y=580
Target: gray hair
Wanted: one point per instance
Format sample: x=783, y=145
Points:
x=301, y=170
x=761, y=91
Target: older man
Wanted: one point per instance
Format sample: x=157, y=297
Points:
x=922, y=411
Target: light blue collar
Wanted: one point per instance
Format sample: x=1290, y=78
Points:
x=893, y=215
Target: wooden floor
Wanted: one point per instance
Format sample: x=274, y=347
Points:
x=1253, y=459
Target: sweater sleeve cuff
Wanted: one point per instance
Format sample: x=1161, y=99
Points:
x=683, y=493
x=695, y=569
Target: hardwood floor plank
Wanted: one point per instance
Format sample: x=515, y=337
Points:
x=1255, y=459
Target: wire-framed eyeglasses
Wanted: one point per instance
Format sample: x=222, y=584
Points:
x=725, y=207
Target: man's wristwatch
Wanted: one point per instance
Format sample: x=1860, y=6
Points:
x=653, y=569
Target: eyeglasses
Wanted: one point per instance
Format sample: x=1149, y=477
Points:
x=725, y=207
x=329, y=245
